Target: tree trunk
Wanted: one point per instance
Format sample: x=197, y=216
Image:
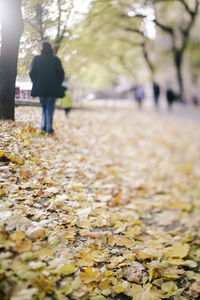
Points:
x=11, y=31
x=147, y=59
x=39, y=16
x=178, y=57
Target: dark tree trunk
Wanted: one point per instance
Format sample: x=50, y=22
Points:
x=11, y=31
x=147, y=59
x=178, y=57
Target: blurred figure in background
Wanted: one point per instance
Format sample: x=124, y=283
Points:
x=66, y=103
x=195, y=95
x=170, y=97
x=195, y=101
x=139, y=95
x=156, y=93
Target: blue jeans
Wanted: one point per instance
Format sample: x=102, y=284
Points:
x=156, y=99
x=48, y=106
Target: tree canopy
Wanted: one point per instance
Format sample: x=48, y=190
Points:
x=115, y=38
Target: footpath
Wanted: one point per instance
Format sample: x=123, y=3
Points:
x=107, y=208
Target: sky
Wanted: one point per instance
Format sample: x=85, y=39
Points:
x=81, y=7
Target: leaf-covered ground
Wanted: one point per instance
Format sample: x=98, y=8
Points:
x=107, y=208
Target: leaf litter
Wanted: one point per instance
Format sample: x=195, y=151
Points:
x=107, y=208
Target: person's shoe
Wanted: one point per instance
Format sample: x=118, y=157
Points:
x=50, y=132
x=42, y=131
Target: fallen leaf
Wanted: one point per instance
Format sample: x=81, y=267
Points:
x=148, y=292
x=177, y=250
x=35, y=233
x=90, y=275
x=66, y=269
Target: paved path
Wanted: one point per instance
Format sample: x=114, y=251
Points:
x=186, y=112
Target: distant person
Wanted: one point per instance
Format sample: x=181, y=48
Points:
x=170, y=97
x=66, y=103
x=195, y=101
x=139, y=94
x=156, y=93
x=47, y=75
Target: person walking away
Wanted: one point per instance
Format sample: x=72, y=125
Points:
x=139, y=95
x=156, y=93
x=47, y=75
x=170, y=97
x=66, y=103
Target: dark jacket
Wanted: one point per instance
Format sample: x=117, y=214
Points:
x=47, y=74
x=170, y=95
x=156, y=89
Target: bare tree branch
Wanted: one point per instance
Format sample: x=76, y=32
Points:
x=39, y=16
x=146, y=56
x=135, y=31
x=165, y=28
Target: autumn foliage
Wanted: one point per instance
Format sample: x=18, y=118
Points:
x=107, y=208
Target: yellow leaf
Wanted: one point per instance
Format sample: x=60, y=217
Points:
x=115, y=261
x=22, y=271
x=191, y=263
x=129, y=255
x=26, y=143
x=76, y=187
x=151, y=273
x=148, y=292
x=2, y=191
x=120, y=241
x=67, y=269
x=108, y=273
x=97, y=256
x=136, y=230
x=17, y=236
x=192, y=275
x=125, y=242
x=177, y=250
x=177, y=204
x=23, y=246
x=149, y=253
x=115, y=201
x=67, y=289
x=118, y=224
x=45, y=252
x=169, y=287
x=15, y=159
x=118, y=289
x=105, y=284
x=172, y=272
x=176, y=261
x=69, y=237
x=89, y=275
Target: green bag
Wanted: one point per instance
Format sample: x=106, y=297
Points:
x=67, y=101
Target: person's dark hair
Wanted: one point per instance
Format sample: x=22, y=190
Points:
x=46, y=48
